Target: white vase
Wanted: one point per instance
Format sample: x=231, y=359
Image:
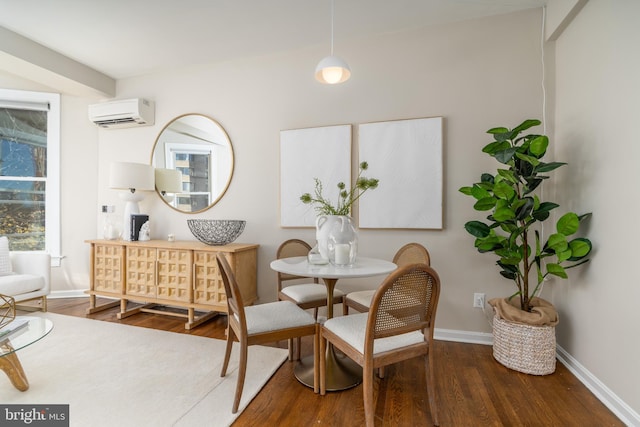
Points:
x=324, y=223
x=337, y=239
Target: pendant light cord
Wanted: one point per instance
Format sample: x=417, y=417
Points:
x=544, y=121
x=332, y=5
x=544, y=91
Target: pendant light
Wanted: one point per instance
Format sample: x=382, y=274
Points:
x=331, y=69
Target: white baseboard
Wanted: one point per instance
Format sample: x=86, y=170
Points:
x=76, y=293
x=484, y=338
x=623, y=411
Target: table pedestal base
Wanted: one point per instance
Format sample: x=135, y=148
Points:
x=341, y=372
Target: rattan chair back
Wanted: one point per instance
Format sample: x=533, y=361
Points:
x=405, y=302
x=235, y=306
x=292, y=248
x=412, y=253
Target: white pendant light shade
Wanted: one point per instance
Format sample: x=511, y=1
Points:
x=332, y=70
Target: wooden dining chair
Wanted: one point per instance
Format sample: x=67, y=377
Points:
x=260, y=324
x=398, y=326
x=408, y=254
x=306, y=295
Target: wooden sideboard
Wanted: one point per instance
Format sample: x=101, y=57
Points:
x=162, y=274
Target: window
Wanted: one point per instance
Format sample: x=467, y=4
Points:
x=29, y=171
x=194, y=163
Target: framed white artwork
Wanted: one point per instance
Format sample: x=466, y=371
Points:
x=306, y=154
x=406, y=156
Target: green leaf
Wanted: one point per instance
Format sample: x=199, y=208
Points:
x=557, y=242
x=489, y=244
x=540, y=216
x=568, y=224
x=529, y=159
x=504, y=136
x=508, y=267
x=508, y=176
x=485, y=204
x=509, y=275
x=580, y=248
x=556, y=270
x=503, y=190
x=496, y=146
x=479, y=193
x=547, y=167
x=546, y=207
x=563, y=255
x=529, y=123
x=515, y=260
x=505, y=156
x=463, y=190
x=539, y=146
x=524, y=210
x=542, y=212
x=487, y=178
x=477, y=229
x=504, y=214
x=497, y=130
x=584, y=216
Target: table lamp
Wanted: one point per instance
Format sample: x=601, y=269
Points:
x=135, y=177
x=168, y=182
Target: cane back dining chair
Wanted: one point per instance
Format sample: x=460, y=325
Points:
x=307, y=295
x=398, y=326
x=411, y=253
x=260, y=324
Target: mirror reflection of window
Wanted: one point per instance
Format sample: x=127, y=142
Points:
x=199, y=148
x=194, y=165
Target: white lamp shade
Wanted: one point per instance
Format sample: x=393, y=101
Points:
x=332, y=70
x=168, y=180
x=132, y=176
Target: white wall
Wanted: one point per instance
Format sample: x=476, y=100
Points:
x=476, y=75
x=598, y=88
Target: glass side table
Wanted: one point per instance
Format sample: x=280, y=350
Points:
x=34, y=329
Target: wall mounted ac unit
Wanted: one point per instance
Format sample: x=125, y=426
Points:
x=123, y=113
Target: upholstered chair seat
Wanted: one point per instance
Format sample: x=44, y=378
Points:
x=310, y=292
x=274, y=316
x=353, y=329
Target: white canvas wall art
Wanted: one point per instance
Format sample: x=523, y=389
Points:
x=305, y=154
x=406, y=156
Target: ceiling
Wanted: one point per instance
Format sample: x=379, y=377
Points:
x=125, y=38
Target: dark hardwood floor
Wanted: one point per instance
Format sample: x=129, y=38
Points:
x=472, y=388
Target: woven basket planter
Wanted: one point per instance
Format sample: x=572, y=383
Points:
x=524, y=348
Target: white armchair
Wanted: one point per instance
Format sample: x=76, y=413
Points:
x=30, y=278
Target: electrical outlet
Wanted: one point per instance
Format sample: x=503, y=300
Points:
x=478, y=300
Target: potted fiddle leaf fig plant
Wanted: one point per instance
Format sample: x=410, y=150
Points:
x=512, y=231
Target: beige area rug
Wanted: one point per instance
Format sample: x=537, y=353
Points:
x=119, y=375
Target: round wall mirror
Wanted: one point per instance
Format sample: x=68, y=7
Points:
x=193, y=161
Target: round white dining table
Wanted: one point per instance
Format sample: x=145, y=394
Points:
x=341, y=372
